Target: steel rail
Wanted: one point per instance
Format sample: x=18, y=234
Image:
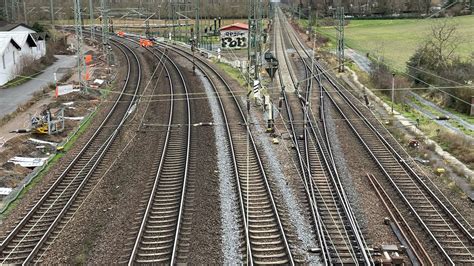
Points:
x=391, y=180
x=155, y=183
x=188, y=56
x=401, y=160
x=405, y=165
x=407, y=233
x=318, y=223
x=329, y=162
x=186, y=172
x=101, y=151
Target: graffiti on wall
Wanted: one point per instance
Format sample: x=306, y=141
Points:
x=234, y=39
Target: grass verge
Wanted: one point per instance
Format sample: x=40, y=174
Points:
x=233, y=73
x=386, y=37
x=83, y=127
x=19, y=80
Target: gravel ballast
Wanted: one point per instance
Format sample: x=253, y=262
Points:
x=231, y=236
x=304, y=232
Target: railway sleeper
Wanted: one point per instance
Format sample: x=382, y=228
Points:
x=256, y=198
x=166, y=207
x=345, y=248
x=269, y=256
x=458, y=251
x=147, y=260
x=256, y=215
x=26, y=240
x=170, y=219
x=160, y=227
x=13, y=260
x=165, y=237
x=44, y=220
x=165, y=204
x=464, y=261
x=24, y=245
x=263, y=236
x=159, y=242
x=444, y=232
x=161, y=231
x=340, y=236
x=35, y=235
x=441, y=225
x=259, y=221
x=155, y=249
x=268, y=249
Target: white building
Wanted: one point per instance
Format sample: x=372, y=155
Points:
x=18, y=44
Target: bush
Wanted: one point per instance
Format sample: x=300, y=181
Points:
x=436, y=63
x=381, y=79
x=38, y=27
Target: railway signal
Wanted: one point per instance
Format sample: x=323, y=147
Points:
x=272, y=64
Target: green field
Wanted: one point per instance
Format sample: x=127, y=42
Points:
x=396, y=40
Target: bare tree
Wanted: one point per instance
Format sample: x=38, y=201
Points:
x=443, y=41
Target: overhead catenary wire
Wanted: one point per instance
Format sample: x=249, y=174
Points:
x=431, y=86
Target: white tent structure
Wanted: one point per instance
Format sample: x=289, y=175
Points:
x=9, y=52
x=18, y=44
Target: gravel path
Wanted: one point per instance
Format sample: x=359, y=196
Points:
x=354, y=163
x=344, y=170
x=231, y=236
x=430, y=114
x=203, y=192
x=365, y=65
x=362, y=61
x=275, y=170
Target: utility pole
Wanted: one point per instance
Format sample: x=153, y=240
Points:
x=309, y=23
x=91, y=17
x=193, y=49
x=300, y=6
x=15, y=10
x=5, y=10
x=24, y=12
x=254, y=46
x=104, y=12
x=81, y=66
x=173, y=14
x=393, y=90
x=51, y=9
x=340, y=37
x=198, y=34
x=12, y=5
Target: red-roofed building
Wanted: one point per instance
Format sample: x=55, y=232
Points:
x=235, y=26
x=234, y=36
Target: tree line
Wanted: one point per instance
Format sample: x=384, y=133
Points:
x=378, y=7
x=40, y=9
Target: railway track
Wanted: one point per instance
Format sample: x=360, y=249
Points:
x=56, y=205
x=158, y=235
x=416, y=251
x=452, y=238
x=342, y=241
x=447, y=229
x=265, y=238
